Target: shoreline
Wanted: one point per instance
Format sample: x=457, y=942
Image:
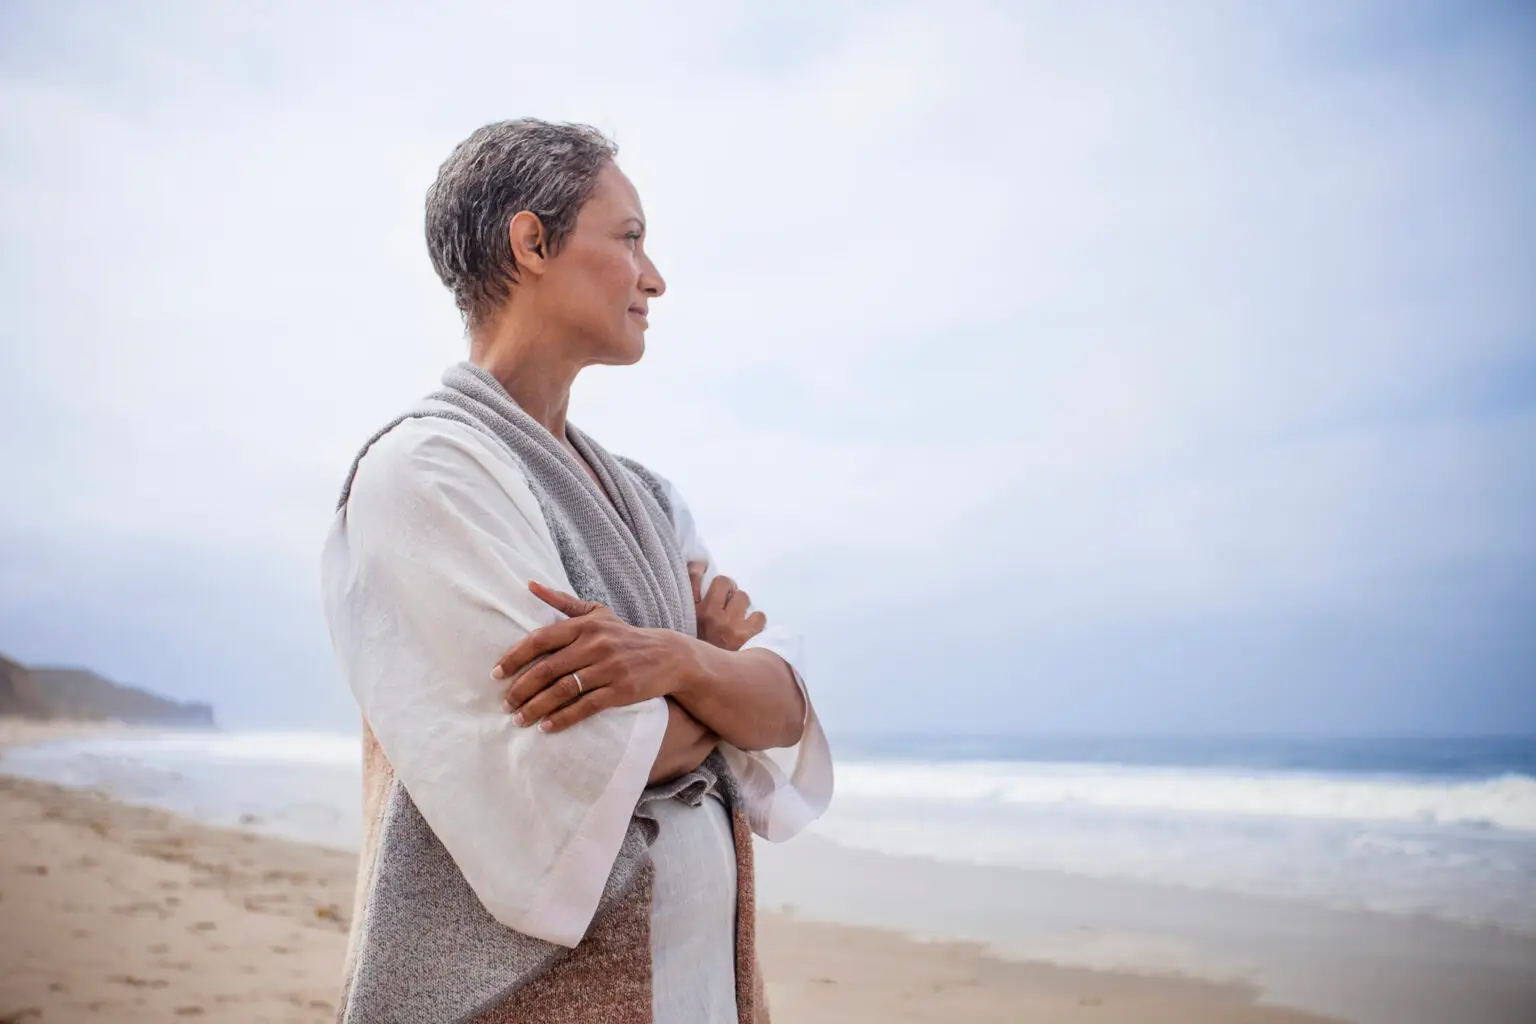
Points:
x=26, y=732
x=132, y=912
x=844, y=933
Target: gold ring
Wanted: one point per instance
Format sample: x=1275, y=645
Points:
x=576, y=676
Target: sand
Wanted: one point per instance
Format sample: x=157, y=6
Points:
x=1363, y=967
x=113, y=912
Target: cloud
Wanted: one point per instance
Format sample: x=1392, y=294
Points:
x=1155, y=314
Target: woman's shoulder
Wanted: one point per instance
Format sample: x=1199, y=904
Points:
x=659, y=486
x=677, y=511
x=427, y=451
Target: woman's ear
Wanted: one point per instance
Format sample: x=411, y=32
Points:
x=530, y=246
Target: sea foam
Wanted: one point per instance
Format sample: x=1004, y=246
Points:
x=1507, y=802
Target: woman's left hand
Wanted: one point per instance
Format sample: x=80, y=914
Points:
x=616, y=663
x=724, y=613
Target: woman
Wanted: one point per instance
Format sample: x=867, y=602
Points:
x=565, y=703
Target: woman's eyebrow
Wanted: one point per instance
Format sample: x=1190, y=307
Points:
x=635, y=220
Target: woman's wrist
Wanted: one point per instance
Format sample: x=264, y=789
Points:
x=702, y=666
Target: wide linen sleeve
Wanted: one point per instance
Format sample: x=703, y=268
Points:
x=787, y=788
x=425, y=576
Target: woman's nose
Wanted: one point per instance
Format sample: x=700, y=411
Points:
x=651, y=281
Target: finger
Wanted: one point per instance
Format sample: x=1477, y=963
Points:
x=560, y=601
x=551, y=699
x=542, y=674
x=589, y=704
x=696, y=577
x=738, y=606
x=720, y=591
x=756, y=623
x=544, y=640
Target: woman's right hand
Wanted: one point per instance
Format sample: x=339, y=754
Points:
x=723, y=616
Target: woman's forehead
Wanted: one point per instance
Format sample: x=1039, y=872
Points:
x=615, y=197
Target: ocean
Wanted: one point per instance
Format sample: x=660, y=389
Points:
x=1437, y=827
x=1443, y=827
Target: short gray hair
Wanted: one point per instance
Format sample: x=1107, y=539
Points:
x=502, y=169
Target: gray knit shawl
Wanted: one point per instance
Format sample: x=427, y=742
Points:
x=429, y=950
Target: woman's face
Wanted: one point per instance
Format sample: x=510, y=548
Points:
x=599, y=285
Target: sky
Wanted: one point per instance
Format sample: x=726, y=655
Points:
x=1105, y=368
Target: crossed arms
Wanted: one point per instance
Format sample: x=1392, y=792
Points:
x=591, y=661
x=422, y=581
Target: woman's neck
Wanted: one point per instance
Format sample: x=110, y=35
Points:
x=531, y=366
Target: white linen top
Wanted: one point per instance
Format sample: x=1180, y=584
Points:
x=424, y=580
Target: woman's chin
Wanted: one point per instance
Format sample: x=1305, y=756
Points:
x=625, y=353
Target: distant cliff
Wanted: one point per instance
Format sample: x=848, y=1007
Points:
x=19, y=692
x=30, y=692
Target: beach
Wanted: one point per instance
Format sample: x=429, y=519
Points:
x=129, y=913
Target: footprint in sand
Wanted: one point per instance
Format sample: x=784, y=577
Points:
x=136, y=982
x=260, y=904
x=141, y=907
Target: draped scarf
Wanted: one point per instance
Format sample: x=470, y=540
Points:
x=422, y=946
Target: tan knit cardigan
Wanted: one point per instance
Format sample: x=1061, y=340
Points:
x=604, y=980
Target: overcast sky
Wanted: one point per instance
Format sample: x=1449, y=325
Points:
x=1053, y=367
